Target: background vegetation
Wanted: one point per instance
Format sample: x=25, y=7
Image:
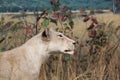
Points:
x=31, y=5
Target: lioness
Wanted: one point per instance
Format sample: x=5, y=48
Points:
x=24, y=62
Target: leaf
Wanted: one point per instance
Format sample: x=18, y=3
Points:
x=11, y=47
x=63, y=8
x=110, y=24
x=66, y=58
x=81, y=45
x=94, y=20
x=71, y=23
x=76, y=37
x=2, y=49
x=86, y=19
x=55, y=57
x=49, y=11
x=55, y=2
x=45, y=23
x=62, y=17
x=28, y=30
x=56, y=8
x=92, y=34
x=53, y=21
x=91, y=26
x=9, y=35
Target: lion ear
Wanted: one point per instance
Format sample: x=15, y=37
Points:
x=46, y=34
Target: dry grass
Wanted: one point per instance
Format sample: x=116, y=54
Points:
x=83, y=66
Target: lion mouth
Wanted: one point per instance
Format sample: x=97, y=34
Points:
x=69, y=51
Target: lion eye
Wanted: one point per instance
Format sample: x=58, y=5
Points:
x=60, y=35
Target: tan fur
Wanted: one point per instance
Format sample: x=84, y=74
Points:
x=24, y=62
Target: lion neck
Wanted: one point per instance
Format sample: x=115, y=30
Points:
x=37, y=51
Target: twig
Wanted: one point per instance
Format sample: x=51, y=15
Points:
x=117, y=43
x=81, y=75
x=2, y=40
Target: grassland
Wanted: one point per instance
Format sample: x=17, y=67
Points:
x=103, y=65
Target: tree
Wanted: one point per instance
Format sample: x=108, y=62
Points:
x=116, y=6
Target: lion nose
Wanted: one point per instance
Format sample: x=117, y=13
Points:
x=74, y=42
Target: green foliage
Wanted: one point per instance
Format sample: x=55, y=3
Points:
x=98, y=36
x=67, y=58
x=2, y=49
x=45, y=23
